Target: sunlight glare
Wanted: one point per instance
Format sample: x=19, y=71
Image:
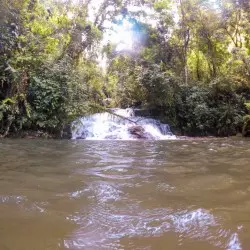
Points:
x=123, y=36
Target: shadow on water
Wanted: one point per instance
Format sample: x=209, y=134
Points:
x=182, y=194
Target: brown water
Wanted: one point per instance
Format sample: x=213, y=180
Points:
x=184, y=194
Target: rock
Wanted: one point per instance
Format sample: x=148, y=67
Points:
x=142, y=112
x=67, y=132
x=110, y=137
x=80, y=138
x=139, y=132
x=246, y=126
x=31, y=134
x=83, y=136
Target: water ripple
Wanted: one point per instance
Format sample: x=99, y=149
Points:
x=107, y=227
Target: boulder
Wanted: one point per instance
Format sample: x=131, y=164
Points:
x=139, y=132
x=246, y=126
x=82, y=136
x=67, y=132
x=142, y=112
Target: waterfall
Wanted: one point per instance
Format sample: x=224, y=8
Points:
x=120, y=124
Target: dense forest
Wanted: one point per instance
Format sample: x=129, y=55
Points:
x=186, y=61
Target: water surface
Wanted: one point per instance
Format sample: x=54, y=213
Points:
x=183, y=194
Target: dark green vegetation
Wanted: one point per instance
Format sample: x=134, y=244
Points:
x=190, y=66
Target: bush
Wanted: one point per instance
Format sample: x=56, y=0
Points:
x=214, y=109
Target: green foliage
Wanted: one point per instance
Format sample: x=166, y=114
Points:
x=197, y=109
x=212, y=110
x=123, y=85
x=47, y=102
x=60, y=93
x=47, y=80
x=160, y=5
x=192, y=71
x=247, y=105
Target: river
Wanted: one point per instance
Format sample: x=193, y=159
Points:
x=178, y=194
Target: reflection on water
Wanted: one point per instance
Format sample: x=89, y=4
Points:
x=184, y=194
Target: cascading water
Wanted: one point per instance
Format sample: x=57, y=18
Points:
x=120, y=124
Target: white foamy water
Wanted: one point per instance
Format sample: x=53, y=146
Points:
x=118, y=124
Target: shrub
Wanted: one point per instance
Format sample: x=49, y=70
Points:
x=214, y=109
